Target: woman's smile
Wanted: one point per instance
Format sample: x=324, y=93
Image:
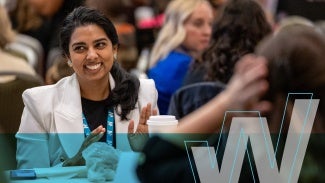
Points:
x=93, y=67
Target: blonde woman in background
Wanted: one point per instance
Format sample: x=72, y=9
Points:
x=185, y=34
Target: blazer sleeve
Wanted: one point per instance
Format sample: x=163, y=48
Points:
x=32, y=137
x=148, y=94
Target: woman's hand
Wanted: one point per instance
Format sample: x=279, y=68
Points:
x=138, y=138
x=78, y=160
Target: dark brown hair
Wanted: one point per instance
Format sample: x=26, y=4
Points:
x=239, y=29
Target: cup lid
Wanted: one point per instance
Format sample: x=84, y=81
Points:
x=174, y=122
x=162, y=118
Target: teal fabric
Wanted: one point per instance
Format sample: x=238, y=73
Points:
x=126, y=169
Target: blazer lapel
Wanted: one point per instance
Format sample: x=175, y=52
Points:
x=68, y=118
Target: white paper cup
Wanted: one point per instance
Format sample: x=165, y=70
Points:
x=161, y=124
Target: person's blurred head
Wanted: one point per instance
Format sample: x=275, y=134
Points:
x=240, y=27
x=296, y=65
x=6, y=33
x=198, y=28
x=81, y=17
x=187, y=24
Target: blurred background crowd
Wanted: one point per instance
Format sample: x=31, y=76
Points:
x=35, y=25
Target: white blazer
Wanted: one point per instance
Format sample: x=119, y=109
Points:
x=51, y=126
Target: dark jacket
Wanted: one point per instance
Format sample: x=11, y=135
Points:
x=191, y=97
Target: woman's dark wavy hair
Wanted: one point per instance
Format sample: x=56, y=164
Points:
x=126, y=88
x=240, y=27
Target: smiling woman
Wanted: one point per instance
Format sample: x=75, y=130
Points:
x=97, y=100
x=91, y=57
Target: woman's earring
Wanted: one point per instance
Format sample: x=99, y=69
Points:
x=69, y=63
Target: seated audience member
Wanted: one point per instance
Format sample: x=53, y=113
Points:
x=185, y=34
x=95, y=102
x=294, y=65
x=241, y=26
